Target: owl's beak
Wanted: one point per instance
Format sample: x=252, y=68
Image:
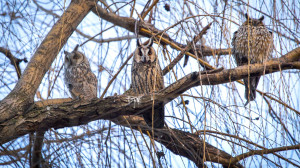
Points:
x=145, y=59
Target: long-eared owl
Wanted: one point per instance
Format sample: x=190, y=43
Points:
x=146, y=77
x=78, y=77
x=252, y=43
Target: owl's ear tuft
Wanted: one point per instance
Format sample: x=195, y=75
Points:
x=261, y=18
x=76, y=48
x=138, y=42
x=150, y=43
x=66, y=52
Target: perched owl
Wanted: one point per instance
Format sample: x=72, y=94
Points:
x=79, y=79
x=146, y=77
x=252, y=43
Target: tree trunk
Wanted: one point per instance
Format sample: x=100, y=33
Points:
x=21, y=97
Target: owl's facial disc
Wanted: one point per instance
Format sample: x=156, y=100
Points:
x=254, y=22
x=67, y=58
x=76, y=57
x=144, y=54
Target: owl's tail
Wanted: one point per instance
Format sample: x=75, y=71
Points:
x=250, y=88
x=158, y=114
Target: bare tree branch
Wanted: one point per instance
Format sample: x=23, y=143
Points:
x=77, y=113
x=37, y=158
x=129, y=24
x=264, y=151
x=187, y=48
x=18, y=117
x=124, y=105
x=22, y=95
x=13, y=60
x=57, y=16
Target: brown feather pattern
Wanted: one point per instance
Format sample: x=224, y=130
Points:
x=78, y=76
x=146, y=75
x=252, y=43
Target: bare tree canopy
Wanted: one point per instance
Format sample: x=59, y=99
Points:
x=207, y=123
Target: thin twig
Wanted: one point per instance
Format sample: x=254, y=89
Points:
x=13, y=60
x=149, y=9
x=187, y=48
x=115, y=76
x=264, y=151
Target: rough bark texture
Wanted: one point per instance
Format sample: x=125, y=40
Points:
x=59, y=115
x=36, y=160
x=180, y=142
x=21, y=97
x=17, y=119
x=77, y=112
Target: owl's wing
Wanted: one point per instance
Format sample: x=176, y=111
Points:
x=90, y=85
x=76, y=89
x=138, y=79
x=240, y=58
x=159, y=78
x=233, y=40
x=71, y=83
x=271, y=45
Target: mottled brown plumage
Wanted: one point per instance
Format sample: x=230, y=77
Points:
x=252, y=43
x=78, y=76
x=146, y=77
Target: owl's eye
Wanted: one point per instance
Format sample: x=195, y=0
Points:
x=140, y=52
x=149, y=52
x=76, y=56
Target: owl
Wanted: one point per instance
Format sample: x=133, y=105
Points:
x=146, y=77
x=252, y=43
x=78, y=77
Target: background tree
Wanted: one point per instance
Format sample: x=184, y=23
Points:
x=206, y=121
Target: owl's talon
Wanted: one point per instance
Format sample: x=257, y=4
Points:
x=146, y=78
x=134, y=99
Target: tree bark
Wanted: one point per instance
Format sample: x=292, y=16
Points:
x=21, y=97
x=111, y=108
x=59, y=115
x=17, y=119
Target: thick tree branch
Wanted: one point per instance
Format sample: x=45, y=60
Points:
x=149, y=31
x=129, y=24
x=37, y=158
x=180, y=142
x=22, y=95
x=81, y=33
x=57, y=116
x=77, y=113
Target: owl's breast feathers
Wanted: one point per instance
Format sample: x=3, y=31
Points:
x=254, y=43
x=81, y=81
x=78, y=72
x=147, y=78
